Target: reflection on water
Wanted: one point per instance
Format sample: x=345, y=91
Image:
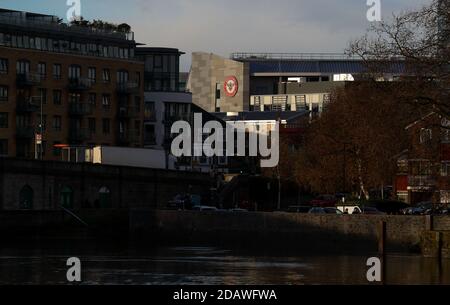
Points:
x=204, y=265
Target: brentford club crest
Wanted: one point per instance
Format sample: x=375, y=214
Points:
x=231, y=86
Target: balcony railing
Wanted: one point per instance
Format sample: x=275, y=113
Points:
x=28, y=79
x=80, y=109
x=128, y=112
x=25, y=132
x=25, y=106
x=77, y=135
x=79, y=84
x=127, y=87
x=128, y=137
x=421, y=182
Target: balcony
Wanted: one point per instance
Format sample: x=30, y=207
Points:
x=418, y=183
x=126, y=112
x=79, y=84
x=25, y=80
x=77, y=135
x=127, y=87
x=80, y=109
x=131, y=136
x=25, y=132
x=24, y=106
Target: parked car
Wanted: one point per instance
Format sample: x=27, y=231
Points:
x=332, y=210
x=371, y=211
x=204, y=208
x=386, y=206
x=179, y=202
x=298, y=209
x=324, y=201
x=317, y=210
x=421, y=208
x=238, y=210
x=349, y=209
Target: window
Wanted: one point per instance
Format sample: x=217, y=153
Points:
x=74, y=98
x=3, y=120
x=3, y=147
x=425, y=135
x=23, y=67
x=157, y=61
x=57, y=123
x=3, y=66
x=92, y=75
x=105, y=126
x=106, y=101
x=42, y=70
x=42, y=93
x=92, y=127
x=138, y=79
x=57, y=71
x=150, y=114
x=122, y=77
x=106, y=75
x=92, y=99
x=3, y=93
x=57, y=97
x=74, y=72
x=445, y=169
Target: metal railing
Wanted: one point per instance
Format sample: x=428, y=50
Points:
x=80, y=109
x=421, y=181
x=127, y=87
x=79, y=84
x=293, y=56
x=28, y=79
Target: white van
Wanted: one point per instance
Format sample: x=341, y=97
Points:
x=349, y=209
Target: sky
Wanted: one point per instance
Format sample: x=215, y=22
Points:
x=224, y=27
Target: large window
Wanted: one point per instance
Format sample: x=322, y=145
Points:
x=42, y=70
x=3, y=66
x=74, y=72
x=122, y=76
x=149, y=111
x=92, y=75
x=3, y=93
x=106, y=76
x=57, y=74
x=23, y=67
x=3, y=120
x=106, y=101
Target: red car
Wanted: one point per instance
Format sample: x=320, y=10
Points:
x=324, y=201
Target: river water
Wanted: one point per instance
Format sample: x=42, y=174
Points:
x=190, y=265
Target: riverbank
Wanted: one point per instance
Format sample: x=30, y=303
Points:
x=267, y=231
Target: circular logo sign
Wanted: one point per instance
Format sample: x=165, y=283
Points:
x=231, y=86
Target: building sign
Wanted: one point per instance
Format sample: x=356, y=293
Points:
x=231, y=86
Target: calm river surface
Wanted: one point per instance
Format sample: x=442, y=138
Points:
x=205, y=265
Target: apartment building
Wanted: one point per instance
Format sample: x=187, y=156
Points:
x=66, y=85
x=424, y=169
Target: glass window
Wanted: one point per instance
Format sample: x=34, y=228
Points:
x=23, y=67
x=42, y=70
x=106, y=101
x=57, y=97
x=74, y=72
x=3, y=120
x=106, y=75
x=3, y=93
x=3, y=66
x=57, y=71
x=92, y=75
x=91, y=123
x=92, y=99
